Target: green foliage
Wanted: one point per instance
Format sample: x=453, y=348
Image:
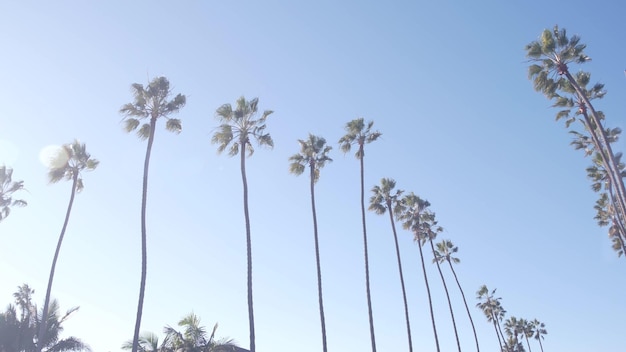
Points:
x=415, y=216
x=314, y=153
x=77, y=159
x=383, y=197
x=358, y=133
x=7, y=188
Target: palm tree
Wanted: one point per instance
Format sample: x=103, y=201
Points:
x=76, y=159
x=18, y=332
x=148, y=342
x=314, y=153
x=444, y=252
x=512, y=327
x=193, y=338
x=149, y=104
x=384, y=200
x=552, y=54
x=7, y=188
x=539, y=330
x=359, y=134
x=492, y=308
x=416, y=217
x=238, y=127
x=526, y=330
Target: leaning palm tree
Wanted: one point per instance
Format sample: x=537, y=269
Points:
x=359, y=134
x=492, y=308
x=149, y=104
x=72, y=159
x=417, y=218
x=444, y=252
x=239, y=126
x=539, y=330
x=7, y=188
x=314, y=154
x=385, y=200
x=552, y=54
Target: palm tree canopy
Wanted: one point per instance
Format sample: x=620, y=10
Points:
x=444, y=251
x=490, y=305
x=539, y=329
x=314, y=153
x=359, y=133
x=383, y=195
x=76, y=159
x=193, y=337
x=415, y=216
x=152, y=102
x=239, y=125
x=7, y=188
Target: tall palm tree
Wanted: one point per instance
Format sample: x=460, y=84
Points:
x=149, y=104
x=492, y=308
x=359, y=133
x=77, y=159
x=539, y=330
x=385, y=200
x=552, y=54
x=18, y=332
x=526, y=330
x=444, y=252
x=238, y=127
x=416, y=217
x=314, y=154
x=7, y=188
x=512, y=327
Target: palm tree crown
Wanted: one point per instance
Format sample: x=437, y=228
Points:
x=78, y=160
x=313, y=153
x=239, y=125
x=360, y=134
x=7, y=188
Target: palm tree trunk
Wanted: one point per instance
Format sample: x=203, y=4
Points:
x=248, y=245
x=528, y=343
x=367, y=268
x=43, y=325
x=495, y=327
x=445, y=287
x=144, y=246
x=317, y=259
x=430, y=301
x=406, y=306
x=497, y=322
x=540, y=344
x=466, y=307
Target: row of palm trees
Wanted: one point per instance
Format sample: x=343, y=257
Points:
x=516, y=329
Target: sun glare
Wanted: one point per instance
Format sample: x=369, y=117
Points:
x=53, y=156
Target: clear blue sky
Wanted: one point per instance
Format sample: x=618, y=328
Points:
x=445, y=82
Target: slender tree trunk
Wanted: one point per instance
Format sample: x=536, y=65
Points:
x=317, y=260
x=406, y=306
x=248, y=245
x=528, y=343
x=445, y=287
x=144, y=246
x=430, y=301
x=540, y=344
x=43, y=325
x=495, y=327
x=497, y=322
x=367, y=268
x=466, y=307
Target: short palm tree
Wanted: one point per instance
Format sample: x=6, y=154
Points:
x=314, y=154
x=444, y=252
x=417, y=218
x=492, y=308
x=150, y=103
x=359, y=133
x=7, y=188
x=384, y=200
x=77, y=160
x=239, y=126
x=148, y=342
x=539, y=330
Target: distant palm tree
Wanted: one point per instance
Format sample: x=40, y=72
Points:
x=416, y=218
x=76, y=159
x=492, y=308
x=359, y=134
x=385, y=200
x=149, y=103
x=148, y=342
x=512, y=327
x=237, y=128
x=526, y=330
x=539, y=330
x=444, y=252
x=18, y=332
x=314, y=154
x=7, y=188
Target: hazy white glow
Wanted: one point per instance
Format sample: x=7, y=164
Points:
x=53, y=156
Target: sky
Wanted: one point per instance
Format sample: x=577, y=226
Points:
x=445, y=82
